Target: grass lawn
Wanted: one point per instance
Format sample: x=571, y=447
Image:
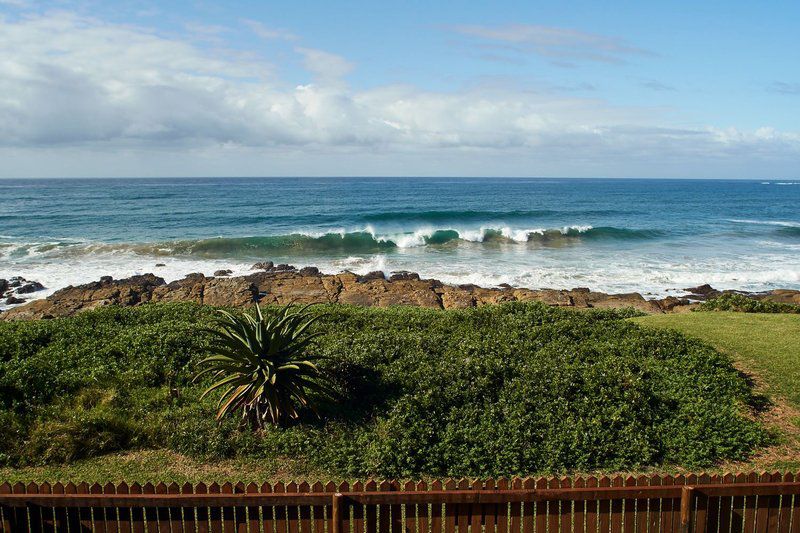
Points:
x=767, y=348
x=765, y=344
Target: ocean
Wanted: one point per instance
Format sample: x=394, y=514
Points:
x=614, y=235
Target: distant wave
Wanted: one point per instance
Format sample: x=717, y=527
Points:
x=344, y=242
x=783, y=223
x=472, y=215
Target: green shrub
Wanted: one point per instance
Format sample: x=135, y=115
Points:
x=743, y=304
x=511, y=389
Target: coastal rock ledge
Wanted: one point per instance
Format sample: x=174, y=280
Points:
x=308, y=285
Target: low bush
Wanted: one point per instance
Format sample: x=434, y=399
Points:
x=744, y=304
x=505, y=390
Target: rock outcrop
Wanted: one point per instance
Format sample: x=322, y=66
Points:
x=284, y=284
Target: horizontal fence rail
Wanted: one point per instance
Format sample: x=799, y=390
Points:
x=767, y=502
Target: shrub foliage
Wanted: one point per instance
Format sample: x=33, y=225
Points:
x=743, y=304
x=513, y=389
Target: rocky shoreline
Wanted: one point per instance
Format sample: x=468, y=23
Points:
x=282, y=284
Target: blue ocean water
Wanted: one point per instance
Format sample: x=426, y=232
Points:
x=607, y=234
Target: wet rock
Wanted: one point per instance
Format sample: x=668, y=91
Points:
x=3, y=286
x=29, y=287
x=13, y=300
x=309, y=271
x=702, y=292
x=375, y=274
x=403, y=275
x=264, y=265
x=106, y=279
x=283, y=267
x=223, y=273
x=160, y=265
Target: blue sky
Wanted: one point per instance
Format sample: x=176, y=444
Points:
x=627, y=89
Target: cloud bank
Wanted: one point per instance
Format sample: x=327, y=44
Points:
x=74, y=88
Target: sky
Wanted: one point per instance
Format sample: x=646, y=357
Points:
x=363, y=88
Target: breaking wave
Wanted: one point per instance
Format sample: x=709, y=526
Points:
x=340, y=242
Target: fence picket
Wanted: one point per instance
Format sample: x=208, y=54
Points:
x=527, y=509
x=370, y=511
x=292, y=515
x=786, y=507
x=436, y=510
x=591, y=508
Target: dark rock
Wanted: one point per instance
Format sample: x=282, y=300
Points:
x=106, y=279
x=160, y=265
x=265, y=265
x=223, y=273
x=16, y=282
x=29, y=287
x=375, y=274
x=703, y=290
x=309, y=271
x=13, y=300
x=505, y=286
x=3, y=286
x=283, y=267
x=404, y=275
x=581, y=289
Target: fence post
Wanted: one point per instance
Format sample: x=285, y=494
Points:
x=686, y=508
x=336, y=513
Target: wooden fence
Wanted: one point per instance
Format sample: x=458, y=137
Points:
x=718, y=504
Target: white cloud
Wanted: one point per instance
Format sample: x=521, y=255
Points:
x=327, y=66
x=80, y=93
x=269, y=33
x=560, y=45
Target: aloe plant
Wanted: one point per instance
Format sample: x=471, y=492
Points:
x=262, y=367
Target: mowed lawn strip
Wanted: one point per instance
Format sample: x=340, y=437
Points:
x=765, y=344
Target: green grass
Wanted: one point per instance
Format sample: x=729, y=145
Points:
x=765, y=344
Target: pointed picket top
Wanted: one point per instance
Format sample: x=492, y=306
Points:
x=591, y=481
x=291, y=487
x=18, y=488
x=553, y=482
x=680, y=479
x=227, y=488
x=58, y=488
x=502, y=483
x=5, y=488
x=384, y=486
x=436, y=484
x=605, y=481
x=409, y=486
x=32, y=488
x=476, y=484
x=304, y=487
x=96, y=488
x=463, y=484
x=214, y=488
x=136, y=488
x=173, y=488
x=580, y=482
x=344, y=486
x=330, y=486
x=187, y=488
x=667, y=480
x=317, y=487
x=267, y=488
x=122, y=488
x=566, y=482
x=642, y=481
x=728, y=478
x=422, y=486
x=161, y=488
x=450, y=484
x=788, y=476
